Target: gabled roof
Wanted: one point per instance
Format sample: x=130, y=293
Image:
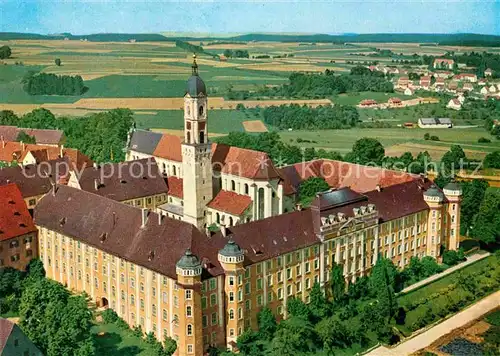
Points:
x=15, y=219
x=48, y=137
x=144, y=141
x=118, y=229
x=243, y=162
x=169, y=147
x=6, y=327
x=124, y=181
x=33, y=180
x=230, y=202
x=340, y=174
x=175, y=187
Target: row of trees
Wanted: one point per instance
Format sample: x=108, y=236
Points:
x=314, y=85
x=51, y=84
x=237, y=53
x=304, y=117
x=100, y=136
x=5, y=52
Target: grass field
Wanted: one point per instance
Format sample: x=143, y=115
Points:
x=342, y=140
x=113, y=341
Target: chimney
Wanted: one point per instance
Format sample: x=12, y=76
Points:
x=61, y=151
x=96, y=184
x=379, y=188
x=223, y=230
x=145, y=213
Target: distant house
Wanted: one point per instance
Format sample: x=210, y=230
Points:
x=461, y=98
x=132, y=40
x=488, y=72
x=13, y=341
x=468, y=86
x=484, y=90
x=443, y=63
x=454, y=104
x=402, y=82
x=452, y=86
x=439, y=84
x=395, y=102
x=442, y=74
x=222, y=58
x=42, y=137
x=435, y=123
x=367, y=103
x=469, y=77
x=409, y=125
x=409, y=91
x=492, y=89
x=482, y=81
x=425, y=82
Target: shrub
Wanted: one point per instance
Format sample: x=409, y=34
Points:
x=137, y=331
x=120, y=323
x=434, y=138
x=109, y=316
x=483, y=140
x=494, y=318
x=451, y=258
x=427, y=136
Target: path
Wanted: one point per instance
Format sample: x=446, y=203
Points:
x=426, y=338
x=470, y=259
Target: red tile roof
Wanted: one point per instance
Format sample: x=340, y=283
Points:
x=395, y=100
x=6, y=327
x=169, y=148
x=230, y=202
x=340, y=174
x=175, y=187
x=15, y=219
x=368, y=102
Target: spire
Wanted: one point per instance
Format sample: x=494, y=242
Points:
x=195, y=65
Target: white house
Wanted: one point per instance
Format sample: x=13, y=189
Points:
x=409, y=91
x=454, y=104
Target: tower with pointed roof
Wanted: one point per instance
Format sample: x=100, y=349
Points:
x=231, y=258
x=196, y=161
x=434, y=198
x=189, y=310
x=453, y=192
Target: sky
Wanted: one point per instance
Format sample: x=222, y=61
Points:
x=244, y=16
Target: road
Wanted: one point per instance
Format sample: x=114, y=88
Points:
x=460, y=319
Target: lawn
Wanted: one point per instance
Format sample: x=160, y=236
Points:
x=119, y=342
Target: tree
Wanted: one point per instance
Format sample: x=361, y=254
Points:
x=453, y=159
x=5, y=52
x=334, y=334
x=318, y=305
x=492, y=160
x=360, y=70
x=382, y=281
x=294, y=336
x=58, y=62
x=297, y=308
x=337, y=282
x=451, y=257
x=472, y=197
x=310, y=187
x=267, y=324
x=249, y=343
x=24, y=137
x=366, y=151
x=486, y=224
x=57, y=322
x=169, y=346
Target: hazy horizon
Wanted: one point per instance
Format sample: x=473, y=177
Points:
x=81, y=17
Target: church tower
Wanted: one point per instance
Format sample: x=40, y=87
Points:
x=196, y=157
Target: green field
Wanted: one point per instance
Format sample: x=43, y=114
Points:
x=355, y=98
x=342, y=140
x=220, y=121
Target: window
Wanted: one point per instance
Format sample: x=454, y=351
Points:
x=259, y=268
x=259, y=284
x=188, y=293
x=280, y=277
x=213, y=299
x=270, y=280
x=248, y=305
x=142, y=287
x=297, y=270
x=142, y=304
x=308, y=283
x=316, y=263
x=189, y=311
x=259, y=300
x=231, y=296
x=164, y=314
x=288, y=273
x=247, y=288
x=231, y=314
x=308, y=267
x=203, y=302
x=14, y=244
x=289, y=290
x=132, y=283
x=213, y=284
x=214, y=318
x=204, y=321
x=132, y=299
x=189, y=330
x=280, y=293
x=231, y=281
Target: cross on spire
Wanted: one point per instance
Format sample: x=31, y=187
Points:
x=195, y=65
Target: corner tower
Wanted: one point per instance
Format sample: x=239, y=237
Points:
x=188, y=270
x=434, y=199
x=453, y=192
x=196, y=155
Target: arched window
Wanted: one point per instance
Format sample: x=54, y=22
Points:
x=189, y=330
x=202, y=137
x=132, y=299
x=246, y=188
x=174, y=169
x=217, y=218
x=201, y=110
x=231, y=314
x=230, y=221
x=233, y=185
